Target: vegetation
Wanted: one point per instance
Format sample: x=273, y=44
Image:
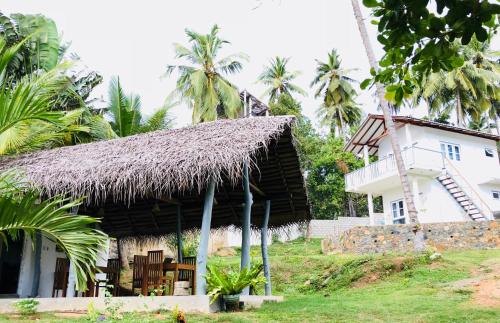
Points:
x=221, y=282
x=202, y=85
x=27, y=306
x=382, y=288
x=23, y=211
x=125, y=114
x=279, y=80
x=339, y=109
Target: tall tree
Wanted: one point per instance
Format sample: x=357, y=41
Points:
x=278, y=79
x=469, y=90
x=403, y=175
x=125, y=114
x=202, y=83
x=339, y=109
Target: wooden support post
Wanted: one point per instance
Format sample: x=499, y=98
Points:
x=263, y=246
x=246, y=220
x=37, y=265
x=179, y=235
x=70, y=291
x=201, y=259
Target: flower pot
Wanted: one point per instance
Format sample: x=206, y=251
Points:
x=231, y=302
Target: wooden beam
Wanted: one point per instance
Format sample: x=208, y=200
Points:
x=285, y=183
x=179, y=235
x=170, y=200
x=257, y=190
x=246, y=221
x=201, y=259
x=263, y=246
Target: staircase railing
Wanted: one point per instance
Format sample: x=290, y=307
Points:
x=468, y=189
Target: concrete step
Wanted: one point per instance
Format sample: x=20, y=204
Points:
x=447, y=182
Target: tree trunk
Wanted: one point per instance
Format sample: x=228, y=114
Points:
x=410, y=205
x=460, y=116
x=122, y=255
x=343, y=132
x=352, y=209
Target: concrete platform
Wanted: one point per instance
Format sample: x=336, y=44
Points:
x=188, y=304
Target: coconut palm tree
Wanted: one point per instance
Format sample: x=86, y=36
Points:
x=470, y=89
x=403, y=175
x=278, y=79
x=22, y=210
x=338, y=109
x=125, y=114
x=202, y=83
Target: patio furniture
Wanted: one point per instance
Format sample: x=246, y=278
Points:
x=112, y=271
x=184, y=271
x=153, y=275
x=138, y=272
x=61, y=274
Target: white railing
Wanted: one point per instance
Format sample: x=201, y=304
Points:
x=412, y=157
x=467, y=188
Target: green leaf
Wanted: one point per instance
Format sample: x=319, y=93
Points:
x=370, y=3
x=365, y=84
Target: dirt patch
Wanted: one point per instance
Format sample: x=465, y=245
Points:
x=485, y=284
x=69, y=315
x=367, y=279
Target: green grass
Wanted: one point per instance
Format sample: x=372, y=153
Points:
x=406, y=288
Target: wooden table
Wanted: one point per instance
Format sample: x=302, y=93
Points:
x=176, y=267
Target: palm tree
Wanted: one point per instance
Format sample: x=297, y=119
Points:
x=22, y=210
x=339, y=109
x=201, y=83
x=125, y=113
x=403, y=175
x=469, y=90
x=279, y=80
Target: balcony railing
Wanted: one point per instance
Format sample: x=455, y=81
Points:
x=413, y=157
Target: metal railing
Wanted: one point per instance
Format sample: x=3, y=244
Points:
x=412, y=157
x=468, y=189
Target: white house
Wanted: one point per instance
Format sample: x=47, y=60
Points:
x=454, y=173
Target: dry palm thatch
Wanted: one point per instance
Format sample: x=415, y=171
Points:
x=152, y=165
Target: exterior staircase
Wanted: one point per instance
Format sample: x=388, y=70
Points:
x=461, y=197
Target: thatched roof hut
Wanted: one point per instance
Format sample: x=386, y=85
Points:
x=135, y=183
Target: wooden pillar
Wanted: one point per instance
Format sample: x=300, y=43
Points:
x=263, y=246
x=37, y=265
x=70, y=291
x=179, y=234
x=201, y=259
x=246, y=220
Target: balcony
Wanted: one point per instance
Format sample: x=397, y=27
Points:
x=383, y=174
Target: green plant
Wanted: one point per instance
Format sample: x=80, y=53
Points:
x=27, y=306
x=112, y=308
x=222, y=282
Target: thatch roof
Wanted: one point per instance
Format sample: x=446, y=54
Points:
x=137, y=172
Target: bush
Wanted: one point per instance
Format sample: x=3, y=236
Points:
x=27, y=306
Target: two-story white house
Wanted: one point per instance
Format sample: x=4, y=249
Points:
x=454, y=173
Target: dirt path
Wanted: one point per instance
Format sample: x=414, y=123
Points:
x=485, y=284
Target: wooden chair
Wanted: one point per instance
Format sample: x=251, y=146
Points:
x=188, y=275
x=113, y=275
x=61, y=274
x=153, y=276
x=138, y=273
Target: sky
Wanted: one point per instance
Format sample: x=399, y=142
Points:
x=134, y=40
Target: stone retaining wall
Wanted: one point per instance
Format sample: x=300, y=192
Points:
x=440, y=236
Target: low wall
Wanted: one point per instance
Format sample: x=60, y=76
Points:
x=441, y=236
x=334, y=228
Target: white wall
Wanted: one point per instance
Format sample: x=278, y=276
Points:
x=47, y=266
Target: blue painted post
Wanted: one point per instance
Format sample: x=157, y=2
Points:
x=38, y=257
x=201, y=259
x=179, y=235
x=245, y=227
x=263, y=245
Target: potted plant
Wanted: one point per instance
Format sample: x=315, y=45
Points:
x=229, y=284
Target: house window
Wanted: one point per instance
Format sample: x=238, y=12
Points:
x=398, y=212
x=452, y=151
x=496, y=195
x=489, y=152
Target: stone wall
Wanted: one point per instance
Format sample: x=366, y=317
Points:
x=440, y=236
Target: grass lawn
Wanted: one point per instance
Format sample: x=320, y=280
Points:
x=347, y=288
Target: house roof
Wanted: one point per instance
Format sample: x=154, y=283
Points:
x=373, y=130
x=127, y=177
